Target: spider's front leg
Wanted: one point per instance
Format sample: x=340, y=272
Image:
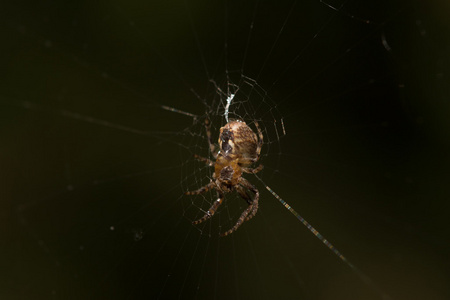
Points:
x=255, y=202
x=252, y=208
x=211, y=211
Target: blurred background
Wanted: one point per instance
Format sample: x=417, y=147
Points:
x=95, y=161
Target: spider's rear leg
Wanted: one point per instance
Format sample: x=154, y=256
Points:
x=253, y=171
x=204, y=159
x=211, y=211
x=212, y=146
x=260, y=140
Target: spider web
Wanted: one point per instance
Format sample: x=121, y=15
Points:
x=104, y=108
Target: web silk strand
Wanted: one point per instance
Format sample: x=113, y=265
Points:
x=330, y=246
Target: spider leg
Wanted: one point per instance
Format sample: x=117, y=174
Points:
x=244, y=194
x=202, y=189
x=212, y=146
x=251, y=170
x=211, y=211
x=255, y=203
x=204, y=159
x=239, y=221
x=260, y=140
x=250, y=211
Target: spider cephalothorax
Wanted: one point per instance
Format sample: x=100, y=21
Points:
x=239, y=148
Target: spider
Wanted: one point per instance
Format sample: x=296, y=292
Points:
x=239, y=149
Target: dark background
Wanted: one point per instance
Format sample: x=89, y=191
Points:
x=93, y=170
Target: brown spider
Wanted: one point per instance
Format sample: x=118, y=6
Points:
x=239, y=148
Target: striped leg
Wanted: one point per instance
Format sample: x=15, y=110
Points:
x=211, y=211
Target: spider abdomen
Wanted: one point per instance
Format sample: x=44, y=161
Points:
x=238, y=141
